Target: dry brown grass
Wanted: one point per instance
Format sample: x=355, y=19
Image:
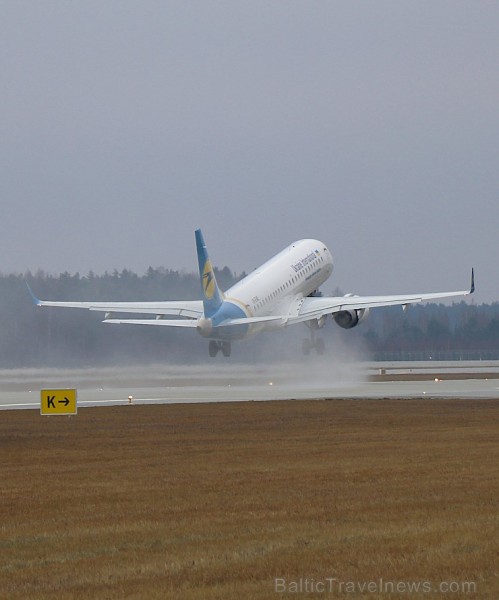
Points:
x=216, y=500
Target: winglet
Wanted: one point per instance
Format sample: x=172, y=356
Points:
x=472, y=286
x=212, y=295
x=36, y=300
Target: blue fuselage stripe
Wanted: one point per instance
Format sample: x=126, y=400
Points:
x=228, y=310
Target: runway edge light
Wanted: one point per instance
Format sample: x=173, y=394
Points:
x=58, y=402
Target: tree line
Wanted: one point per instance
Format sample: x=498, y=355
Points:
x=32, y=336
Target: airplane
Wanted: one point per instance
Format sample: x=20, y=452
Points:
x=283, y=291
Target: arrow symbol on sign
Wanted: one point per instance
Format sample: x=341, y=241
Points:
x=65, y=401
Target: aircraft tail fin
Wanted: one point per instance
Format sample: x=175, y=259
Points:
x=211, y=293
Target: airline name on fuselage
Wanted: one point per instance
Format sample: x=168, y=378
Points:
x=301, y=264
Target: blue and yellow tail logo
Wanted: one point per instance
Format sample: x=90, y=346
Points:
x=209, y=284
x=212, y=296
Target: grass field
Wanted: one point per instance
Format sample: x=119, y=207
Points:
x=252, y=500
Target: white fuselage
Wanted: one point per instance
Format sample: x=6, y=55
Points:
x=279, y=285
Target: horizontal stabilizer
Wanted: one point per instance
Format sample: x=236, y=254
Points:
x=251, y=320
x=164, y=322
x=193, y=322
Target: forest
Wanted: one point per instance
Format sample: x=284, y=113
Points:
x=34, y=337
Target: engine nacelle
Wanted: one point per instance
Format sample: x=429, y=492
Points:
x=347, y=319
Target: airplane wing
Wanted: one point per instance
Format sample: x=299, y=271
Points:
x=316, y=307
x=308, y=309
x=191, y=309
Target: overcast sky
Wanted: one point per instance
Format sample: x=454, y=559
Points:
x=372, y=126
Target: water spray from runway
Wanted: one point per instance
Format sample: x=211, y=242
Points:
x=279, y=361
x=270, y=367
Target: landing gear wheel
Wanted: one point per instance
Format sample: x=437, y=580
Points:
x=306, y=346
x=320, y=347
x=216, y=345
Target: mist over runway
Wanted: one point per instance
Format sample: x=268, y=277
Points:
x=166, y=384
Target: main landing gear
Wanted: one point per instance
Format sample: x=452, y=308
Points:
x=314, y=342
x=216, y=345
x=318, y=345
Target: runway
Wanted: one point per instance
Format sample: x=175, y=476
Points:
x=160, y=384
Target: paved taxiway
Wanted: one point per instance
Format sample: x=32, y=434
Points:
x=20, y=388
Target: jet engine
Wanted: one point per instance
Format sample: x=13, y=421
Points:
x=346, y=319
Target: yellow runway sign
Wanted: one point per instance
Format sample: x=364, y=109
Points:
x=58, y=402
